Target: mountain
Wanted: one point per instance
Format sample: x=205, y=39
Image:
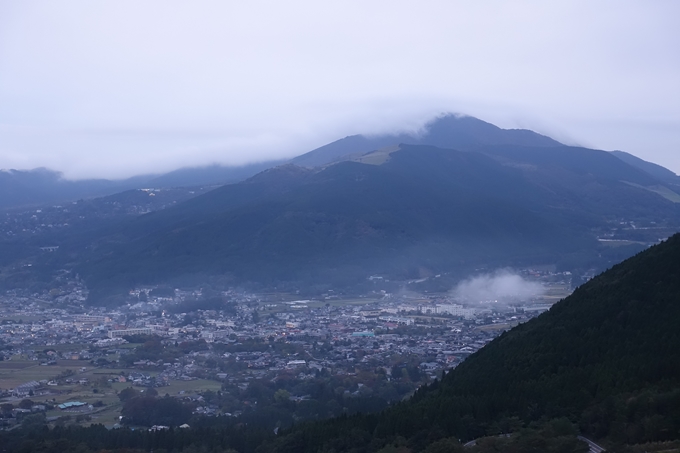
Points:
x=348, y=220
x=211, y=174
x=607, y=358
x=415, y=210
x=42, y=186
x=661, y=173
x=405, y=211
x=448, y=131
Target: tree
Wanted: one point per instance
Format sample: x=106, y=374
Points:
x=6, y=408
x=127, y=394
x=147, y=411
x=281, y=396
x=26, y=404
x=101, y=382
x=151, y=392
x=33, y=421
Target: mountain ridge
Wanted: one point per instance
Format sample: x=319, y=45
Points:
x=447, y=131
x=43, y=186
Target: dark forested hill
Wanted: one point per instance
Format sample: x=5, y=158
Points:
x=607, y=358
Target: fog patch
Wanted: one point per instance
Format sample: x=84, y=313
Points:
x=503, y=286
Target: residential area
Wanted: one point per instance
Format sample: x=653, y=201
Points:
x=224, y=353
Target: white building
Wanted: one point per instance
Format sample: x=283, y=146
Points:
x=457, y=310
x=91, y=319
x=397, y=319
x=126, y=332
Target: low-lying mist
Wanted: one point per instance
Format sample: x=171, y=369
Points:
x=500, y=286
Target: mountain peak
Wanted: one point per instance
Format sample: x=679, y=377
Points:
x=461, y=131
x=451, y=131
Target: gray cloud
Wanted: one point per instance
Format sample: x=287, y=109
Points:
x=114, y=88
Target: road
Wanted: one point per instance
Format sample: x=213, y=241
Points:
x=472, y=443
x=594, y=448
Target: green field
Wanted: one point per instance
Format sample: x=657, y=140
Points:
x=63, y=347
x=107, y=415
x=283, y=307
x=26, y=319
x=199, y=385
x=18, y=371
x=494, y=327
x=175, y=387
x=664, y=191
x=11, y=365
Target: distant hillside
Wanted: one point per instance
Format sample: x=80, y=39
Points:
x=210, y=175
x=42, y=186
x=607, y=358
x=423, y=209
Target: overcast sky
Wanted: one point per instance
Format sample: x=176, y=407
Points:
x=117, y=88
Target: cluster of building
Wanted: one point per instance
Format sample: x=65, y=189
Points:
x=258, y=336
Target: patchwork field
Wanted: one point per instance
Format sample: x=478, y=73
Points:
x=18, y=371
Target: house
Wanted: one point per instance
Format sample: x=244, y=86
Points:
x=71, y=405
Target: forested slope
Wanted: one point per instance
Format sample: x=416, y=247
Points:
x=607, y=358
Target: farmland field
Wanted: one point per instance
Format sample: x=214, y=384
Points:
x=16, y=372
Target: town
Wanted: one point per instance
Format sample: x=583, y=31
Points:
x=227, y=353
